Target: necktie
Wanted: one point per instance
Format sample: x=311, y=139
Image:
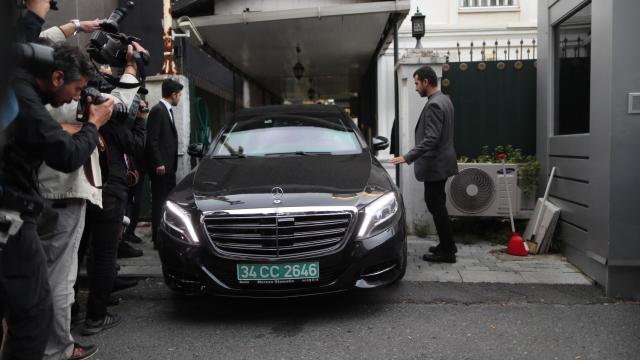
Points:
x=172, y=119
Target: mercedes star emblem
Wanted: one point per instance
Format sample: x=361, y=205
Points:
x=277, y=194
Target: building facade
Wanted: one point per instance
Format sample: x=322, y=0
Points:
x=452, y=26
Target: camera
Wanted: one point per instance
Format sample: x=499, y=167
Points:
x=120, y=112
x=109, y=45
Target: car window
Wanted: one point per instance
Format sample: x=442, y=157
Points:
x=288, y=135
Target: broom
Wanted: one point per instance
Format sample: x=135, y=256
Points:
x=516, y=245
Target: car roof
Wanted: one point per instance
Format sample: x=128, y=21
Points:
x=308, y=110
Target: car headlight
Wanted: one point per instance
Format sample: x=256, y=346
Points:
x=177, y=222
x=378, y=215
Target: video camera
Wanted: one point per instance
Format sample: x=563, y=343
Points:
x=109, y=45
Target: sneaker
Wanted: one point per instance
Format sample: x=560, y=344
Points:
x=83, y=352
x=92, y=327
x=127, y=251
x=132, y=238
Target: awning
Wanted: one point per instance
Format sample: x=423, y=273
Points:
x=337, y=44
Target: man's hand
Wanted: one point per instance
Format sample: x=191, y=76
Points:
x=160, y=170
x=132, y=67
x=142, y=115
x=397, y=160
x=71, y=128
x=100, y=114
x=89, y=26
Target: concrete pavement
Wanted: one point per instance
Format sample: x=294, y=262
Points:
x=489, y=263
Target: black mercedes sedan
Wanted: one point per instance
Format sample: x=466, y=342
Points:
x=288, y=201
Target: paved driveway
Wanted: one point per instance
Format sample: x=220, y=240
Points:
x=477, y=263
x=487, y=263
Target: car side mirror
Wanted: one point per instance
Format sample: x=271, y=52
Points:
x=196, y=150
x=379, y=143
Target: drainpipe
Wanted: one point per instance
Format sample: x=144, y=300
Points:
x=168, y=66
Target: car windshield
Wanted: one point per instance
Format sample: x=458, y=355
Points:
x=283, y=135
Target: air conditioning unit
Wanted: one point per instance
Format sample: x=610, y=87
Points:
x=481, y=190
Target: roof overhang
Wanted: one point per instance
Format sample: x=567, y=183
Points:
x=337, y=44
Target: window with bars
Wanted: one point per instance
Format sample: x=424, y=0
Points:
x=487, y=3
x=572, y=38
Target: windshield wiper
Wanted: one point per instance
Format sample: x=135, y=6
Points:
x=300, y=153
x=230, y=156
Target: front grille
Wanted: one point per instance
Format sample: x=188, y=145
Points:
x=278, y=235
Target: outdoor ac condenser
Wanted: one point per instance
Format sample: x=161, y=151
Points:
x=480, y=190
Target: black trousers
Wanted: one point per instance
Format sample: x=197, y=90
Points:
x=134, y=203
x=436, y=199
x=103, y=229
x=25, y=297
x=161, y=186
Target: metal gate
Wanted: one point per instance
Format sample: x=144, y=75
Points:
x=494, y=100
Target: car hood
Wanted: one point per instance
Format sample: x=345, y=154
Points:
x=317, y=180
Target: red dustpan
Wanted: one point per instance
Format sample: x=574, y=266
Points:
x=516, y=245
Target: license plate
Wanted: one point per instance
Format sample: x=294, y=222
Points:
x=304, y=271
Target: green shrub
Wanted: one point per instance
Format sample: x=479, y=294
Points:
x=528, y=166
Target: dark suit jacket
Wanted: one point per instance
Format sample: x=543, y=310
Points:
x=434, y=154
x=162, y=140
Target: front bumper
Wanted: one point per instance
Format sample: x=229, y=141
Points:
x=369, y=263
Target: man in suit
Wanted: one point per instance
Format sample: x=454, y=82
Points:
x=162, y=150
x=435, y=159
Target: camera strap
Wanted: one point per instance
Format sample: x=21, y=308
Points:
x=103, y=164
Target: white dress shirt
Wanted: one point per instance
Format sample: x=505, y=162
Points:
x=168, y=106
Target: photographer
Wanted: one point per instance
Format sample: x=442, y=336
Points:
x=32, y=138
x=103, y=227
x=62, y=221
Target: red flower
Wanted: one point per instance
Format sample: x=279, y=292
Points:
x=502, y=156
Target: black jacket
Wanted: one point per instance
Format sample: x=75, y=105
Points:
x=162, y=140
x=121, y=139
x=35, y=137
